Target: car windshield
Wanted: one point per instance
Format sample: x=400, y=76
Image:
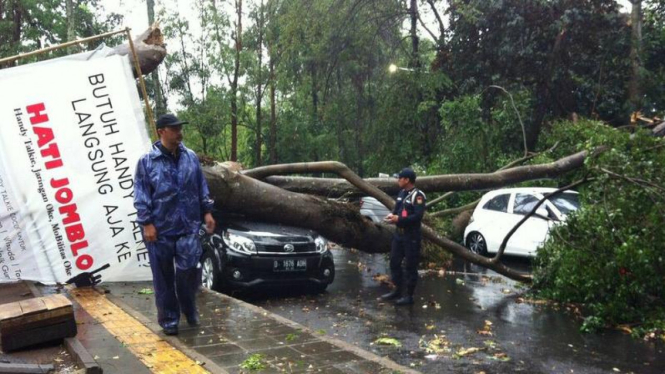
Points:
x=566, y=202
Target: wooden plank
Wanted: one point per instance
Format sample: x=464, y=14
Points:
x=35, y=321
x=32, y=305
x=10, y=310
x=12, y=342
x=25, y=368
x=56, y=301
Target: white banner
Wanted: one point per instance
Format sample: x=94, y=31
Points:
x=71, y=133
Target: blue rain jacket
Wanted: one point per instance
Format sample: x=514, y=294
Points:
x=171, y=194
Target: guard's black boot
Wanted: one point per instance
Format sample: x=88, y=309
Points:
x=406, y=300
x=391, y=295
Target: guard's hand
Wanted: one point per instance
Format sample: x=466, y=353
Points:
x=149, y=233
x=210, y=223
x=391, y=218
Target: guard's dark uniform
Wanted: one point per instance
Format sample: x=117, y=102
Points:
x=410, y=208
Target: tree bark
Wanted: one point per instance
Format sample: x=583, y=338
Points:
x=160, y=107
x=71, y=20
x=634, y=86
x=234, y=83
x=415, y=41
x=273, y=111
x=150, y=49
x=259, y=85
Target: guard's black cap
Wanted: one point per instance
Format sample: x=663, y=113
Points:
x=168, y=120
x=408, y=173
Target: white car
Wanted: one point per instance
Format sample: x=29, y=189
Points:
x=500, y=210
x=373, y=209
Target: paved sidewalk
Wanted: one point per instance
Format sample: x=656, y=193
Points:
x=231, y=331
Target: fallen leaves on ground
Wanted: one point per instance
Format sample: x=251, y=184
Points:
x=146, y=291
x=382, y=278
x=388, y=341
x=438, y=345
x=486, y=330
x=462, y=352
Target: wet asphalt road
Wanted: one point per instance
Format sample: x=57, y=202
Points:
x=470, y=309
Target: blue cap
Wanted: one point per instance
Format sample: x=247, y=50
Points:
x=408, y=173
x=168, y=120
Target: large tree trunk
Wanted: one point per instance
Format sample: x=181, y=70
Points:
x=634, y=86
x=273, y=111
x=259, y=86
x=234, y=83
x=160, y=107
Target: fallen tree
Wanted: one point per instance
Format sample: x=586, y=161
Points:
x=244, y=192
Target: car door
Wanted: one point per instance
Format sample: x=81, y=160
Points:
x=493, y=216
x=526, y=240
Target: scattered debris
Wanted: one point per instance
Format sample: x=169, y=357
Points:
x=146, y=291
x=486, y=330
x=388, y=341
x=462, y=352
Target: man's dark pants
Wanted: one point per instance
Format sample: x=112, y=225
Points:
x=174, y=260
x=405, y=247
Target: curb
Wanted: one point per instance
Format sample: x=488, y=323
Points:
x=73, y=346
x=207, y=364
x=369, y=356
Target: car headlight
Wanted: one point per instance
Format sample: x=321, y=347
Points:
x=239, y=243
x=321, y=244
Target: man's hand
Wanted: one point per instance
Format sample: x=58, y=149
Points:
x=149, y=233
x=210, y=223
x=391, y=218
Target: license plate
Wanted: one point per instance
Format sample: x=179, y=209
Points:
x=290, y=265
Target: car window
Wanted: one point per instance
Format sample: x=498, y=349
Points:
x=524, y=203
x=498, y=203
x=566, y=202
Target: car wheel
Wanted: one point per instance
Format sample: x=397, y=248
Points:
x=476, y=243
x=319, y=288
x=211, y=277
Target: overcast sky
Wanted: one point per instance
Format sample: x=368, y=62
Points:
x=136, y=14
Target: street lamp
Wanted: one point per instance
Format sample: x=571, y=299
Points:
x=392, y=68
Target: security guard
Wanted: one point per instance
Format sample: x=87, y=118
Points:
x=407, y=215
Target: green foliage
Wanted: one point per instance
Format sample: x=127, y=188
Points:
x=254, y=362
x=610, y=254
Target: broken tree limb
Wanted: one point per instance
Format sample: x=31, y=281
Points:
x=150, y=49
x=339, y=222
x=510, y=233
x=335, y=187
x=507, y=166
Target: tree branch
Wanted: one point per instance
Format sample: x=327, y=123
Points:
x=335, y=187
x=502, y=248
x=526, y=150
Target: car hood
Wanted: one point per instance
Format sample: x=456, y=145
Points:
x=268, y=233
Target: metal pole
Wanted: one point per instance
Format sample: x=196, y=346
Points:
x=148, y=108
x=59, y=46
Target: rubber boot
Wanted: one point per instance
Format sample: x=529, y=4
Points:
x=391, y=295
x=406, y=300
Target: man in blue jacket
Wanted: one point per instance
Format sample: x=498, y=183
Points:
x=407, y=216
x=171, y=198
